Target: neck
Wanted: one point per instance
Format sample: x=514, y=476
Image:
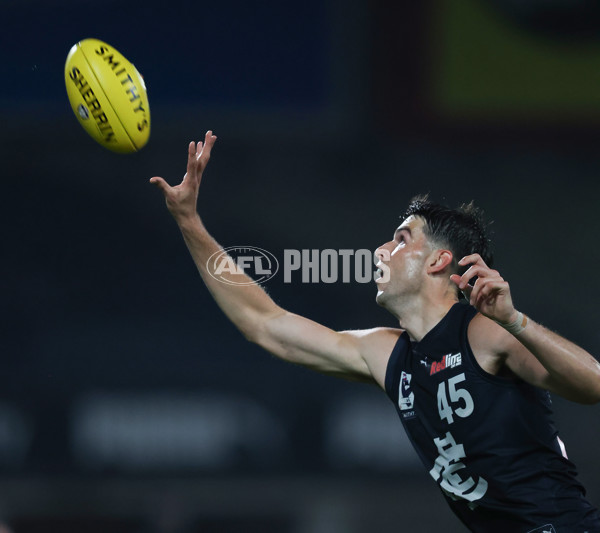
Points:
x=422, y=314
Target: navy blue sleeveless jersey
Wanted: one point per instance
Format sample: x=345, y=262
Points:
x=488, y=442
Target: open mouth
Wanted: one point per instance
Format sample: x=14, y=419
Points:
x=378, y=275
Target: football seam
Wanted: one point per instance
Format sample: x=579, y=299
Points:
x=106, y=96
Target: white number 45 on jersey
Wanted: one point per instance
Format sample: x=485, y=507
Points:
x=448, y=408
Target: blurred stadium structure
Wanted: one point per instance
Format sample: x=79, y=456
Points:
x=129, y=403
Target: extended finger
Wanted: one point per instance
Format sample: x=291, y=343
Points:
x=465, y=289
x=473, y=259
x=455, y=278
x=191, y=164
x=475, y=270
x=467, y=292
x=160, y=183
x=209, y=141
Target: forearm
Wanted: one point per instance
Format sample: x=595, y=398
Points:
x=245, y=303
x=574, y=373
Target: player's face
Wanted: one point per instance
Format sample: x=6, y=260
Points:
x=405, y=258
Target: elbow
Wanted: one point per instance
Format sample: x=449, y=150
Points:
x=588, y=394
x=590, y=400
x=252, y=326
x=255, y=331
x=587, y=384
x=250, y=329
x=250, y=334
x=593, y=397
x=261, y=328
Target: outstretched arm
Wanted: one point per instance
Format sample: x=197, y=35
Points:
x=532, y=352
x=360, y=355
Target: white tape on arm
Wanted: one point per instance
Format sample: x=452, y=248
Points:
x=517, y=326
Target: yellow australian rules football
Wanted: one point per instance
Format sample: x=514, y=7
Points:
x=108, y=96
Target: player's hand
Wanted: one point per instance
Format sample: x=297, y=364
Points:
x=182, y=199
x=490, y=294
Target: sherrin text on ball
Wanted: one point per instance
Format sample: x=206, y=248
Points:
x=108, y=96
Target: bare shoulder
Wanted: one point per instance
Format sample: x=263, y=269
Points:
x=375, y=346
x=485, y=334
x=490, y=343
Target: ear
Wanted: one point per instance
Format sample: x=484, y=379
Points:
x=439, y=260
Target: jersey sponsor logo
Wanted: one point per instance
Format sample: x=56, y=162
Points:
x=450, y=360
x=548, y=528
x=406, y=397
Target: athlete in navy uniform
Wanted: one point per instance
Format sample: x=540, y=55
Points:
x=469, y=380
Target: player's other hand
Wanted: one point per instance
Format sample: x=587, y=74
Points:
x=490, y=294
x=182, y=199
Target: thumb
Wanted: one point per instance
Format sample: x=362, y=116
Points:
x=455, y=278
x=160, y=183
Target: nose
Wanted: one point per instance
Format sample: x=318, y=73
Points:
x=382, y=253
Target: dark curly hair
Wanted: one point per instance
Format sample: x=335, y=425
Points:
x=462, y=230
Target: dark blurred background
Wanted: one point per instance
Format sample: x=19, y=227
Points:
x=128, y=402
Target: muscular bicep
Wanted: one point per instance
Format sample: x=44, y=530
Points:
x=499, y=352
x=527, y=366
x=358, y=355
x=521, y=362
